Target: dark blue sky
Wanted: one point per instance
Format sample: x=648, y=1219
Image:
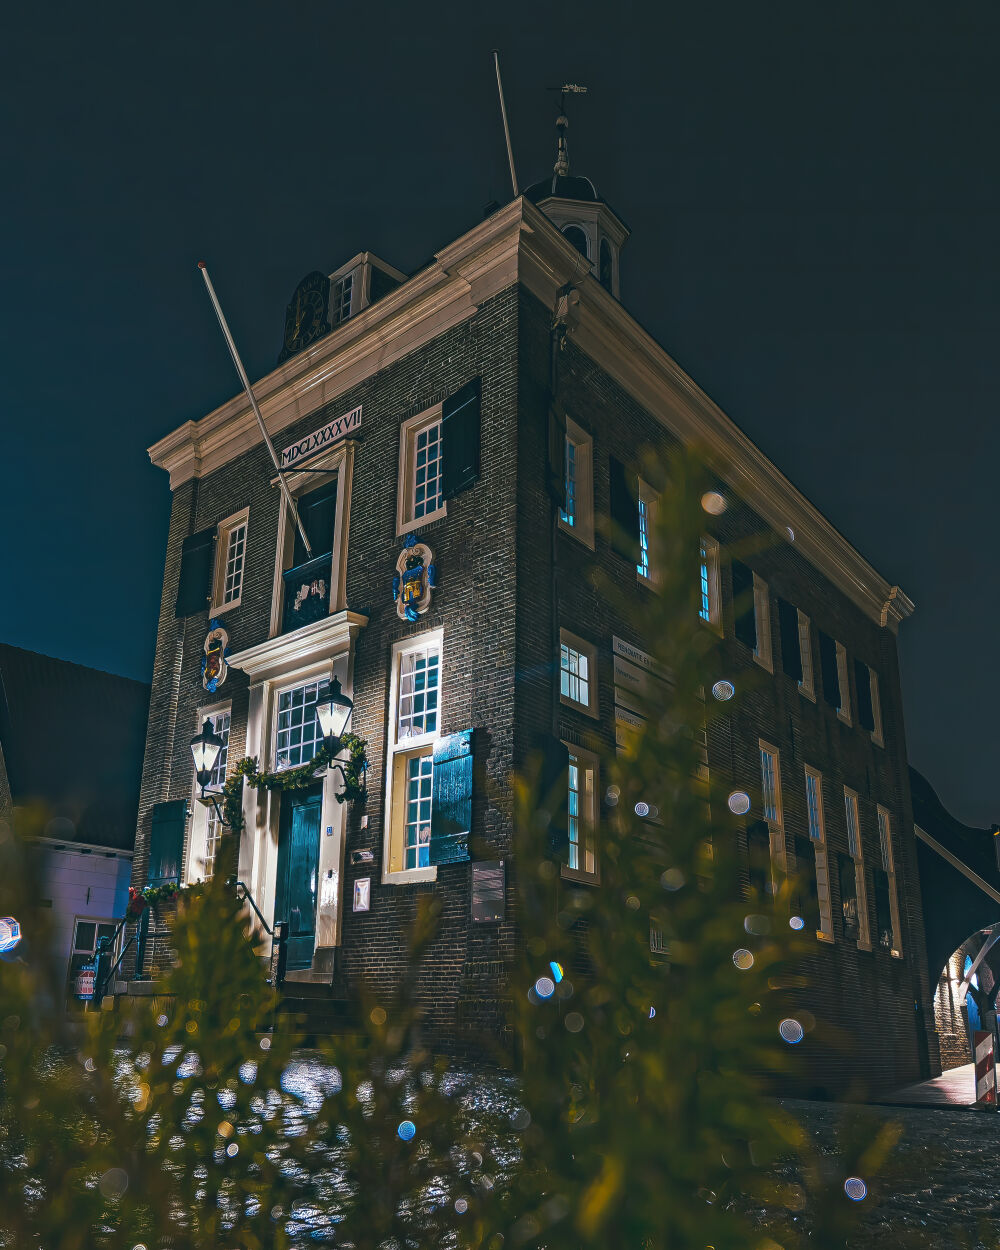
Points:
x=814, y=202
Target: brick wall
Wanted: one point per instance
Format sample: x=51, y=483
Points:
x=864, y=1000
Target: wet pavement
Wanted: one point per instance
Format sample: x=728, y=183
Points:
x=941, y=1186
x=955, y=1088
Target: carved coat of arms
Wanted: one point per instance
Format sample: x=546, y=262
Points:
x=214, y=665
x=414, y=580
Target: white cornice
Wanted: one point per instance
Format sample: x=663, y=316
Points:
x=519, y=243
x=322, y=640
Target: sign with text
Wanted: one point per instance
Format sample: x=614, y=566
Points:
x=319, y=439
x=86, y=981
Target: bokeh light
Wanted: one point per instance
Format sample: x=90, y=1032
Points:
x=743, y=959
x=232, y=1150
x=407, y=1130
x=739, y=802
x=642, y=809
x=545, y=987
x=461, y=1206
x=574, y=1022
x=713, y=503
x=796, y=923
x=757, y=924
x=791, y=1031
x=10, y=933
x=723, y=691
x=855, y=1188
x=672, y=879
x=557, y=970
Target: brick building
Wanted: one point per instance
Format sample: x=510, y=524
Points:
x=416, y=410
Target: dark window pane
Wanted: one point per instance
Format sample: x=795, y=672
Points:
x=828, y=669
x=848, y=896
x=788, y=627
x=85, y=934
x=862, y=679
x=746, y=620
x=578, y=238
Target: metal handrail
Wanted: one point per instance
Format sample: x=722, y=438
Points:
x=247, y=897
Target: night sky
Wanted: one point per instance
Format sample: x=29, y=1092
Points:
x=813, y=195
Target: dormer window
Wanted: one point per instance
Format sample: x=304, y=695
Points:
x=578, y=237
x=341, y=291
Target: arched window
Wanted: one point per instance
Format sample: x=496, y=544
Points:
x=578, y=237
x=607, y=266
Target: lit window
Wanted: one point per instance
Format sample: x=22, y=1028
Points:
x=647, y=501
x=213, y=825
x=417, y=814
x=576, y=516
x=855, y=902
x=708, y=582
x=414, y=729
x=577, y=672
x=581, y=857
x=86, y=936
x=298, y=735
x=420, y=471
x=419, y=678
x=886, y=895
x=230, y=562
x=817, y=835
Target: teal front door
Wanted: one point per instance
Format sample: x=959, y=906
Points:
x=298, y=871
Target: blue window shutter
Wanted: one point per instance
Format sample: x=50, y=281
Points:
x=166, y=842
x=460, y=438
x=743, y=605
x=195, y=584
x=451, y=801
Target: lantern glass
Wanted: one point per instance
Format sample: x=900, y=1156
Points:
x=205, y=748
x=333, y=710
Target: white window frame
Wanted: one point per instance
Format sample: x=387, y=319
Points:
x=202, y=816
x=397, y=752
x=876, y=732
x=889, y=867
x=711, y=565
x=317, y=680
x=763, y=652
x=648, y=503
x=807, y=683
x=587, y=762
x=409, y=431
x=589, y=651
x=857, y=853
x=224, y=532
x=775, y=827
x=582, y=526
x=823, y=892
x=339, y=460
x=843, y=678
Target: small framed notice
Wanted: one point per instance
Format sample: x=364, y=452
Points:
x=363, y=894
x=488, y=892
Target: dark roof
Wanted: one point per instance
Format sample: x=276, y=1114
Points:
x=565, y=187
x=73, y=739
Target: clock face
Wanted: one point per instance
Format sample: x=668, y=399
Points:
x=306, y=318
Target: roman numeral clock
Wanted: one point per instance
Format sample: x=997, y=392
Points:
x=307, y=317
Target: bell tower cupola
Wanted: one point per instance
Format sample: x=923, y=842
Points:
x=572, y=203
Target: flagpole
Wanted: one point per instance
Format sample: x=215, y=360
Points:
x=224, y=326
x=506, y=128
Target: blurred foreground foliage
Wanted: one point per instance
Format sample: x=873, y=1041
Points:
x=634, y=1112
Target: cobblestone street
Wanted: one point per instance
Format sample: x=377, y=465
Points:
x=940, y=1188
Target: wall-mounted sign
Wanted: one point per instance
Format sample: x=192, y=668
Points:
x=488, y=892
x=327, y=434
x=414, y=579
x=86, y=981
x=363, y=894
x=214, y=666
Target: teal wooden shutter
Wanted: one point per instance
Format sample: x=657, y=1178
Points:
x=552, y=809
x=829, y=670
x=166, y=842
x=460, y=439
x=791, y=650
x=624, y=509
x=451, y=799
x=743, y=605
x=863, y=681
x=197, y=565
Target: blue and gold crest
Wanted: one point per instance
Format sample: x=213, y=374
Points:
x=214, y=665
x=414, y=580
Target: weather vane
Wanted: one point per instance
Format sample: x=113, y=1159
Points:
x=561, y=167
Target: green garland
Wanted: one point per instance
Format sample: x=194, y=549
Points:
x=354, y=767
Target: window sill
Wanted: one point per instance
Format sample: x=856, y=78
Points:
x=646, y=581
x=217, y=609
x=806, y=693
x=763, y=662
x=410, y=876
x=579, y=876
x=714, y=626
x=582, y=533
x=828, y=938
x=566, y=701
x=405, y=527
x=878, y=740
x=844, y=719
x=865, y=946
